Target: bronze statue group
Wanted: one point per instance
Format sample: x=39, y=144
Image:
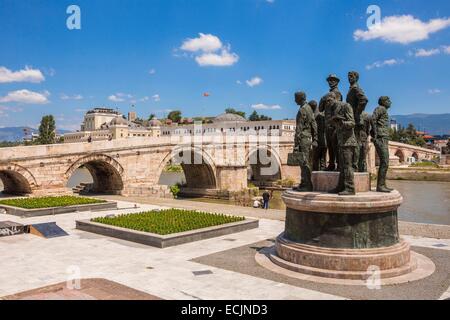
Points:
x=339, y=131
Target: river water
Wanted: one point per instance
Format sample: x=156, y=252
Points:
x=424, y=201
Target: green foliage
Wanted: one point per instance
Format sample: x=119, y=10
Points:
x=151, y=117
x=173, y=168
x=233, y=111
x=286, y=183
x=49, y=202
x=424, y=164
x=175, y=190
x=251, y=185
x=175, y=116
x=257, y=117
x=168, y=221
x=407, y=135
x=7, y=144
x=47, y=130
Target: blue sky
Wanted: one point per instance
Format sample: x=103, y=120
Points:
x=163, y=55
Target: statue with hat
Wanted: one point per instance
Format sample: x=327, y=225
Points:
x=327, y=105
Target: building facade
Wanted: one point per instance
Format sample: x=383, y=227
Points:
x=107, y=124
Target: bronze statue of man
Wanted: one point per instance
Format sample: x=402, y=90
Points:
x=363, y=146
x=327, y=103
x=358, y=100
x=305, y=138
x=333, y=82
x=345, y=124
x=319, y=157
x=380, y=132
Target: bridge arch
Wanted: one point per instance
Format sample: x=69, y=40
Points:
x=17, y=180
x=107, y=173
x=264, y=164
x=401, y=156
x=415, y=155
x=199, y=168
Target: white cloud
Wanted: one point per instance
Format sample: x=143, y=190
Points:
x=152, y=71
x=205, y=43
x=26, y=96
x=261, y=106
x=380, y=64
x=255, y=81
x=120, y=97
x=446, y=49
x=24, y=75
x=426, y=53
x=156, y=98
x=270, y=1
x=208, y=50
x=144, y=99
x=238, y=82
x=115, y=98
x=74, y=97
x=81, y=110
x=224, y=59
x=284, y=92
x=402, y=29
x=434, y=91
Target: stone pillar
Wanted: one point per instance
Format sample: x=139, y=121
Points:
x=231, y=178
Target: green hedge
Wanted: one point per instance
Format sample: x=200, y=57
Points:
x=168, y=221
x=49, y=202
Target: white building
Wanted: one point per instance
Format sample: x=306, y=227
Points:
x=107, y=124
x=232, y=123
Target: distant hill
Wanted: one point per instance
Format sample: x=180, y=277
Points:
x=435, y=124
x=13, y=134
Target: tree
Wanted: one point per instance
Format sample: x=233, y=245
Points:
x=256, y=117
x=233, y=111
x=151, y=117
x=175, y=116
x=47, y=130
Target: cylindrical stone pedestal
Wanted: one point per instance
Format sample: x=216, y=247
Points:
x=343, y=237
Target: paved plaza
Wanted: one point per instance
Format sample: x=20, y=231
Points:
x=219, y=268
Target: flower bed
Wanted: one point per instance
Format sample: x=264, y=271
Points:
x=49, y=202
x=167, y=222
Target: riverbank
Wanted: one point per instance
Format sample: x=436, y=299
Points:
x=419, y=174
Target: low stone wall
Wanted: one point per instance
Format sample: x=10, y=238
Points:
x=419, y=175
x=164, y=241
x=426, y=230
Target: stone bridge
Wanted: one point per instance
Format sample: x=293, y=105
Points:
x=134, y=166
x=400, y=153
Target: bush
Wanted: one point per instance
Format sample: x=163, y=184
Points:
x=286, y=183
x=173, y=168
x=49, y=202
x=424, y=164
x=168, y=221
x=175, y=190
